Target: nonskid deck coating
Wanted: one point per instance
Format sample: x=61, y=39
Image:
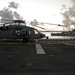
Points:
x=23, y=58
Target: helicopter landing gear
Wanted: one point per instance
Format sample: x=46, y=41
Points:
x=47, y=37
x=25, y=39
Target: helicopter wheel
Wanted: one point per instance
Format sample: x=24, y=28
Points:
x=25, y=40
x=31, y=40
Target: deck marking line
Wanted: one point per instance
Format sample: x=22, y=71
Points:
x=39, y=48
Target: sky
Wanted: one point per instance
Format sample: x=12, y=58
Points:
x=41, y=10
x=49, y=11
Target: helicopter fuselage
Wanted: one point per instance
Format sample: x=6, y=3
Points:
x=19, y=32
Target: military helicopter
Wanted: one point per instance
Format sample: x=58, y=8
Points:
x=17, y=29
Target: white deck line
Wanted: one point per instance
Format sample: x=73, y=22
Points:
x=39, y=49
x=70, y=44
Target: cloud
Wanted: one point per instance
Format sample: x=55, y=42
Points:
x=17, y=16
x=69, y=14
x=7, y=14
x=73, y=1
x=13, y=5
x=63, y=7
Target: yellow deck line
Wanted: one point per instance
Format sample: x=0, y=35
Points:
x=40, y=42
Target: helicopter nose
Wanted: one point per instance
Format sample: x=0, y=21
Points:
x=42, y=35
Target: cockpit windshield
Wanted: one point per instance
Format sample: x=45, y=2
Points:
x=36, y=32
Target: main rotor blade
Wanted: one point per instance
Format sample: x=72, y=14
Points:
x=53, y=24
x=6, y=20
x=6, y=23
x=40, y=27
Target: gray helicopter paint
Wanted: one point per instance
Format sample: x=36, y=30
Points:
x=20, y=32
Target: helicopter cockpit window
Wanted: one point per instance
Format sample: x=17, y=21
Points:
x=22, y=24
x=36, y=32
x=12, y=24
x=19, y=24
x=16, y=23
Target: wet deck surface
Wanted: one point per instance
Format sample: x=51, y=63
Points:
x=23, y=59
